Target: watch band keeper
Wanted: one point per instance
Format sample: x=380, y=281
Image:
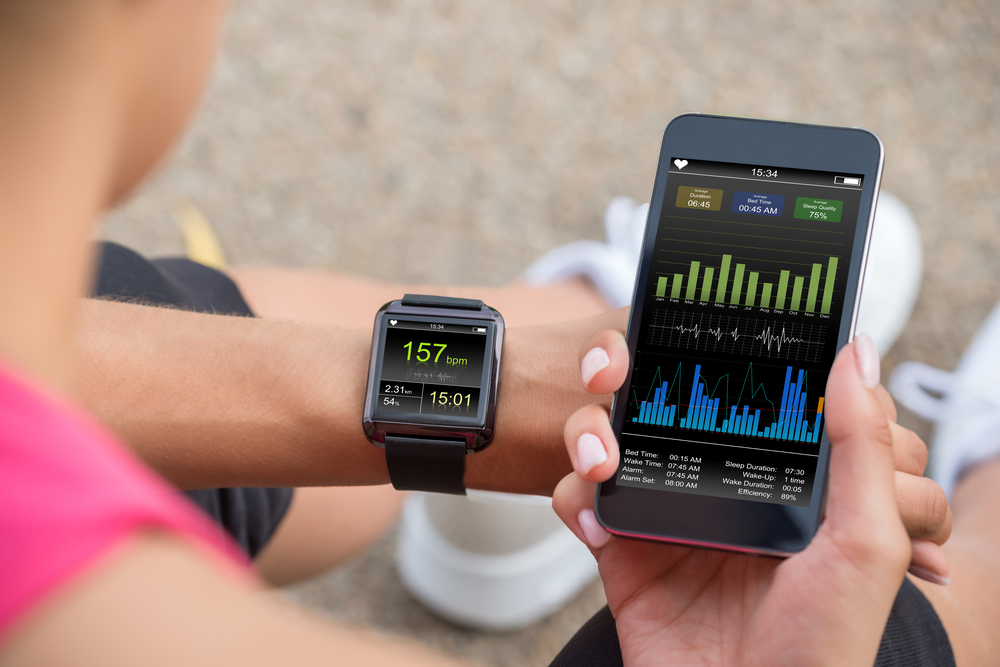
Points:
x=428, y=301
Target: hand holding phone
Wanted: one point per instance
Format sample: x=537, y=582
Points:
x=673, y=604
x=747, y=286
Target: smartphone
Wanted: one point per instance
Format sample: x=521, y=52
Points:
x=747, y=287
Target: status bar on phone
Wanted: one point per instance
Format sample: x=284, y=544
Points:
x=767, y=174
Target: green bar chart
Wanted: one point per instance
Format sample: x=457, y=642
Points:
x=811, y=291
x=706, y=284
x=720, y=294
x=813, y=288
x=779, y=302
x=737, y=285
x=797, y=293
x=765, y=296
x=752, y=289
x=831, y=273
x=692, y=280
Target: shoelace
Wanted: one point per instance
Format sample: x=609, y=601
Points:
x=931, y=392
x=923, y=389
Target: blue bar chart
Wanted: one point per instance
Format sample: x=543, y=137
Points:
x=793, y=419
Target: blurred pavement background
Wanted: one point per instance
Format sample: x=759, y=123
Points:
x=454, y=142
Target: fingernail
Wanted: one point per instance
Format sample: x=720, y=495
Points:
x=596, y=536
x=590, y=452
x=593, y=362
x=866, y=356
x=922, y=573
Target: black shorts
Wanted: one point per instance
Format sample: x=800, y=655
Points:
x=913, y=637
x=250, y=515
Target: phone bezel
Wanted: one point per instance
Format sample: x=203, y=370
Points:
x=723, y=523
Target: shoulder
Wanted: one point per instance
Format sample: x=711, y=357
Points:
x=69, y=492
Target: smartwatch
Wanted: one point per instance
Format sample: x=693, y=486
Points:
x=433, y=380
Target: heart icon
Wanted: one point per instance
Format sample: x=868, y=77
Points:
x=681, y=163
x=392, y=322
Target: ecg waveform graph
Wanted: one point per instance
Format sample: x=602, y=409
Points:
x=705, y=407
x=428, y=375
x=714, y=332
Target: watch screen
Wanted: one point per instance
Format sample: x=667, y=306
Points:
x=432, y=368
x=739, y=331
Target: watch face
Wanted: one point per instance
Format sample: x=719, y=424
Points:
x=433, y=370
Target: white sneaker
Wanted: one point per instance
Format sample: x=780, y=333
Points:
x=965, y=404
x=892, y=281
x=609, y=266
x=490, y=561
x=892, y=277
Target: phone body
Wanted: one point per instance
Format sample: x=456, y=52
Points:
x=747, y=286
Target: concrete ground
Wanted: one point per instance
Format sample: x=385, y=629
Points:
x=454, y=142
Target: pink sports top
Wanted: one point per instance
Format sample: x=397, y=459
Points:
x=69, y=493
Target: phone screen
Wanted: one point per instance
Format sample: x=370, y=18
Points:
x=738, y=331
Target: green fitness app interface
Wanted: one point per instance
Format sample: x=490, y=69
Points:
x=738, y=331
x=432, y=368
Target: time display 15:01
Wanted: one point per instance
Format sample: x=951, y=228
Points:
x=453, y=399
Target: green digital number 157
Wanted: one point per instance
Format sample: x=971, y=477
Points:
x=424, y=351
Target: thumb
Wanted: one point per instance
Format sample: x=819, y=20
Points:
x=861, y=506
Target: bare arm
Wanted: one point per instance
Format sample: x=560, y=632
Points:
x=213, y=401
x=163, y=603
x=970, y=607
x=333, y=298
x=218, y=401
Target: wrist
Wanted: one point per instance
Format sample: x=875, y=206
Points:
x=540, y=387
x=335, y=451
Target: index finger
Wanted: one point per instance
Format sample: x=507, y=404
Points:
x=862, y=514
x=885, y=400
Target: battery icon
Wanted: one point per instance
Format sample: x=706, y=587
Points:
x=847, y=180
x=478, y=329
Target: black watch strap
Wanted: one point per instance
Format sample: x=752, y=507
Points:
x=428, y=301
x=423, y=464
